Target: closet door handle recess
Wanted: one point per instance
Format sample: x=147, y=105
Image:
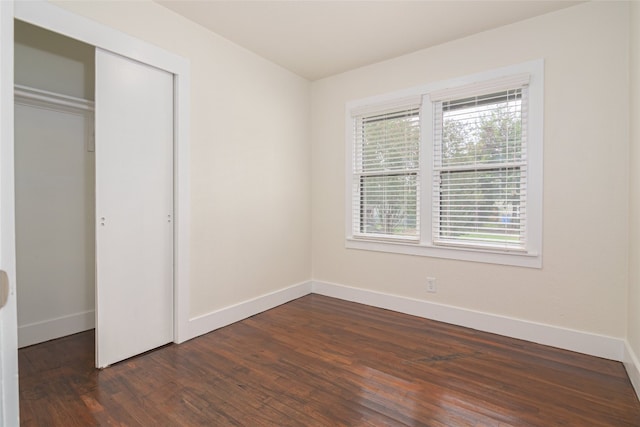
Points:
x=4, y=288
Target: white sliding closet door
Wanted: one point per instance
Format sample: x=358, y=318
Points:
x=134, y=207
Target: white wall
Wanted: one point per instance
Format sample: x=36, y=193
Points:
x=54, y=184
x=250, y=184
x=54, y=223
x=583, y=282
x=633, y=324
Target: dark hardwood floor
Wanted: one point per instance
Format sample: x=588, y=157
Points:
x=319, y=361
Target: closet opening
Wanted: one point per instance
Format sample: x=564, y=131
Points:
x=54, y=184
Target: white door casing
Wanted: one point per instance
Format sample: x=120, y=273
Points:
x=134, y=207
x=9, y=409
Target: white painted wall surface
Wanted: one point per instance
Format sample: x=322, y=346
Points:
x=584, y=279
x=250, y=182
x=55, y=240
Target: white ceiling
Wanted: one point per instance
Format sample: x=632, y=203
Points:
x=316, y=39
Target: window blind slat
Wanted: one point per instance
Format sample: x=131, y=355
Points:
x=398, y=105
x=482, y=88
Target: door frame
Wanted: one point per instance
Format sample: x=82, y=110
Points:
x=56, y=19
x=9, y=407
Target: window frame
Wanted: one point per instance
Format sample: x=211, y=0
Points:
x=531, y=256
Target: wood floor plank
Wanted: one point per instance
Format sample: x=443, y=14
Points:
x=319, y=361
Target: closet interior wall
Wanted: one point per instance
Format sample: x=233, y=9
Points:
x=55, y=184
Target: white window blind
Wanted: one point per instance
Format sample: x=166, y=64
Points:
x=452, y=169
x=386, y=174
x=480, y=170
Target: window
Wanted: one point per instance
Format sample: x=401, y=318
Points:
x=479, y=170
x=386, y=174
x=451, y=170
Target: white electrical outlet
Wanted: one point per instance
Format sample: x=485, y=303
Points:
x=431, y=285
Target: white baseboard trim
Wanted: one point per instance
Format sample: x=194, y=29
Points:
x=37, y=332
x=225, y=316
x=568, y=339
x=632, y=365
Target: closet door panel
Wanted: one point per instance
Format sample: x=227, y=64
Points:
x=134, y=208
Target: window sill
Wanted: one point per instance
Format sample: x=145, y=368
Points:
x=516, y=258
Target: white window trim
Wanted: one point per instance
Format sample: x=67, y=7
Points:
x=532, y=257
